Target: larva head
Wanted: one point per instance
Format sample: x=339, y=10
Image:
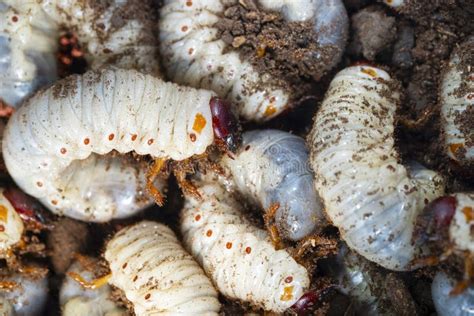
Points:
x=436, y=218
x=311, y=300
x=225, y=124
x=29, y=210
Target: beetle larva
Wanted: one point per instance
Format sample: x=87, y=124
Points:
x=451, y=305
x=11, y=224
x=457, y=106
x=239, y=257
x=98, y=112
x=272, y=168
x=29, y=31
x=367, y=193
x=195, y=56
x=77, y=300
x=22, y=294
x=156, y=274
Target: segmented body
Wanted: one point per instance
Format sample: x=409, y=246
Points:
x=156, y=274
x=457, y=106
x=195, y=56
x=95, y=113
x=239, y=257
x=29, y=32
x=76, y=300
x=11, y=224
x=372, y=198
x=272, y=168
x=451, y=305
x=27, y=297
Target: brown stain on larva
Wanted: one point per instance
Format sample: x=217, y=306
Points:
x=270, y=110
x=287, y=293
x=369, y=71
x=199, y=123
x=135, y=278
x=3, y=214
x=2, y=228
x=455, y=147
x=124, y=265
x=147, y=296
x=54, y=202
x=468, y=213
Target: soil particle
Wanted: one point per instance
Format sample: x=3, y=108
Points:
x=402, y=56
x=287, y=52
x=399, y=295
x=373, y=31
x=67, y=238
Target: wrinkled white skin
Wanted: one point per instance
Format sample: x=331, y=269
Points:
x=28, y=47
x=239, y=257
x=451, y=305
x=107, y=108
x=460, y=229
x=455, y=104
x=273, y=167
x=29, y=297
x=157, y=275
x=367, y=193
x=194, y=56
x=11, y=223
x=75, y=300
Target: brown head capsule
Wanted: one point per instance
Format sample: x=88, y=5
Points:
x=225, y=124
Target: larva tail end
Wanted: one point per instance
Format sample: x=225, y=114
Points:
x=226, y=126
x=313, y=299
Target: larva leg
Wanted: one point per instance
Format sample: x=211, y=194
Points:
x=183, y=168
x=5, y=109
x=91, y=285
x=272, y=228
x=468, y=279
x=420, y=122
x=151, y=176
x=323, y=247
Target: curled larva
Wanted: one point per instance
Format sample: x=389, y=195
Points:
x=367, y=193
x=457, y=106
x=194, y=55
x=23, y=295
x=95, y=113
x=29, y=32
x=451, y=305
x=239, y=257
x=75, y=300
x=156, y=274
x=11, y=225
x=272, y=169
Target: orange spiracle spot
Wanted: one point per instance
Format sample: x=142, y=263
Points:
x=86, y=141
x=209, y=233
x=190, y=51
x=470, y=96
x=455, y=147
x=199, y=123
x=15, y=18
x=2, y=228
x=39, y=183
x=228, y=245
x=111, y=136
x=134, y=137
x=289, y=279
x=388, y=1
x=63, y=151
x=54, y=202
x=369, y=71
x=184, y=28
x=150, y=141
x=3, y=214
x=270, y=110
x=248, y=250
x=287, y=293
x=197, y=218
x=189, y=3
x=147, y=296
x=468, y=213
x=192, y=136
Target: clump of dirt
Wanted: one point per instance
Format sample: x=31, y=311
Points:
x=288, y=52
x=373, y=31
x=70, y=56
x=68, y=238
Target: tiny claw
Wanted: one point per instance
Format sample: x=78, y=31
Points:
x=90, y=285
x=151, y=175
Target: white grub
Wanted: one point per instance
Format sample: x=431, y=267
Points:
x=372, y=198
x=27, y=297
x=11, y=224
x=451, y=305
x=30, y=29
x=195, y=56
x=462, y=225
x=457, y=106
x=75, y=300
x=156, y=274
x=239, y=257
x=95, y=113
x=272, y=167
